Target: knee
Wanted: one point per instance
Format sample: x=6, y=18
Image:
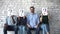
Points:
x=43, y=26
x=5, y=29
x=15, y=28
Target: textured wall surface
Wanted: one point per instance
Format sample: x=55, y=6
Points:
x=52, y=5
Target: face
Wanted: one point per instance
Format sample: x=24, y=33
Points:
x=44, y=11
x=9, y=14
x=32, y=10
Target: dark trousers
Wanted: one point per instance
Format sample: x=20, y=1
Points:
x=11, y=28
x=35, y=29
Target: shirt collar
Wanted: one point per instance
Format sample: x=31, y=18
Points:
x=32, y=13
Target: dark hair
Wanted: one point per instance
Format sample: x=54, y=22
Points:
x=32, y=7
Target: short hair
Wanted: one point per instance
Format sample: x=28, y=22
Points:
x=32, y=7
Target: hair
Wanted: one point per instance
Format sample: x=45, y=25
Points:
x=32, y=7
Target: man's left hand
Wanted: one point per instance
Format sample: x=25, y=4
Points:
x=36, y=26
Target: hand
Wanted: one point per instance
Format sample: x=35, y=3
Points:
x=28, y=25
x=36, y=26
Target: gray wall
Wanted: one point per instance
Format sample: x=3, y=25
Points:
x=52, y=5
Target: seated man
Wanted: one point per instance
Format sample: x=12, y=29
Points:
x=32, y=21
x=22, y=23
x=10, y=24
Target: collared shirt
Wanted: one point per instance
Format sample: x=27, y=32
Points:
x=33, y=20
x=9, y=21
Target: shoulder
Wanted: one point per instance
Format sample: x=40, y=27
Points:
x=7, y=17
x=28, y=14
x=36, y=14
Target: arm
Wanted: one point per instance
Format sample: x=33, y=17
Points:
x=28, y=25
x=38, y=21
x=6, y=24
x=41, y=19
x=48, y=17
x=17, y=21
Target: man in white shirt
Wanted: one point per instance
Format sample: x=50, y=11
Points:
x=11, y=22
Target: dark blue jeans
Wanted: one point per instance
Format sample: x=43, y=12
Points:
x=35, y=29
x=11, y=28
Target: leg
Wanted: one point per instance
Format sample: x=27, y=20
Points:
x=43, y=28
x=6, y=27
x=5, y=30
x=48, y=29
x=28, y=31
x=24, y=31
x=16, y=29
x=36, y=30
x=20, y=30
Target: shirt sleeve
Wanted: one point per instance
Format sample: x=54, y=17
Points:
x=27, y=19
x=38, y=20
x=6, y=20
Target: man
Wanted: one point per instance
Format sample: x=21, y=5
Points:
x=22, y=22
x=44, y=21
x=32, y=21
x=11, y=22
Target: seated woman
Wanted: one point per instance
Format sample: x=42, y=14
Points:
x=44, y=21
x=22, y=23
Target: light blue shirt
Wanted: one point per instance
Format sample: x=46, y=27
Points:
x=33, y=20
x=9, y=21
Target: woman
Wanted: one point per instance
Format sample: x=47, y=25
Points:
x=22, y=23
x=44, y=21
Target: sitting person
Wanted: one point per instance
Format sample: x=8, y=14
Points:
x=32, y=21
x=22, y=23
x=44, y=21
x=10, y=24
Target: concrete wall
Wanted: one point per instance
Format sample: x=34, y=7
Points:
x=52, y=5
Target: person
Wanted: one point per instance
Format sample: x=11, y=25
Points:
x=44, y=21
x=32, y=21
x=11, y=21
x=22, y=20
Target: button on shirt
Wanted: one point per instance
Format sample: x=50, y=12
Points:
x=33, y=20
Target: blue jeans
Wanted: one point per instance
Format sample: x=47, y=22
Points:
x=22, y=29
x=35, y=29
x=44, y=28
x=11, y=28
